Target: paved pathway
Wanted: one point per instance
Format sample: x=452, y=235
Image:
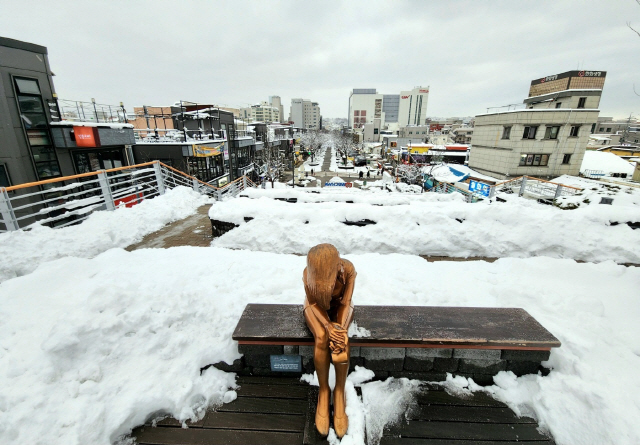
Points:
x=194, y=230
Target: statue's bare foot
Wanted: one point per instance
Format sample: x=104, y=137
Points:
x=340, y=419
x=322, y=411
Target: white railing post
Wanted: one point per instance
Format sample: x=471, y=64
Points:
x=106, y=190
x=558, y=192
x=195, y=185
x=523, y=185
x=8, y=217
x=244, y=182
x=159, y=178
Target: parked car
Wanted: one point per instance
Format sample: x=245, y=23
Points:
x=359, y=161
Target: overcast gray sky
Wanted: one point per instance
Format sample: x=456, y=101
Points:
x=473, y=54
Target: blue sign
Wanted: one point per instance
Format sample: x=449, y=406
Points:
x=286, y=363
x=479, y=188
x=335, y=184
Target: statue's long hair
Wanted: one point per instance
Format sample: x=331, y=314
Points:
x=322, y=270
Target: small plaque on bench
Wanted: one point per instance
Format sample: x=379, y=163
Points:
x=286, y=363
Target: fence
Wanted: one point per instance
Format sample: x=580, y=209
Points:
x=70, y=200
x=75, y=110
x=535, y=188
x=446, y=187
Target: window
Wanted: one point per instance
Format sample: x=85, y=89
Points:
x=574, y=131
x=581, y=102
x=27, y=86
x=559, y=105
x=566, y=158
x=527, y=159
x=530, y=132
x=608, y=130
x=4, y=176
x=506, y=132
x=35, y=123
x=601, y=129
x=552, y=132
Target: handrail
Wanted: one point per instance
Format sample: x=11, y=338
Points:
x=201, y=182
x=535, y=179
x=67, y=178
x=111, y=170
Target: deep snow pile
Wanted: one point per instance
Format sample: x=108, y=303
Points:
x=430, y=224
x=90, y=348
x=22, y=251
x=593, y=191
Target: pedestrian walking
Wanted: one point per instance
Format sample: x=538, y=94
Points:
x=311, y=172
x=360, y=175
x=368, y=174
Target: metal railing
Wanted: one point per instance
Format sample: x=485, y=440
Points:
x=446, y=187
x=70, y=200
x=79, y=111
x=535, y=188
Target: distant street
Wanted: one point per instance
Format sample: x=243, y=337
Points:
x=324, y=174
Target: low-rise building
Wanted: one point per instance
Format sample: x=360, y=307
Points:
x=262, y=112
x=547, y=136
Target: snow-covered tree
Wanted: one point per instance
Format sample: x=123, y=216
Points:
x=270, y=163
x=410, y=173
x=343, y=145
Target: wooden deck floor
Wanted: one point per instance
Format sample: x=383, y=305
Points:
x=281, y=411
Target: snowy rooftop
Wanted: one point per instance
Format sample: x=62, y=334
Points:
x=607, y=162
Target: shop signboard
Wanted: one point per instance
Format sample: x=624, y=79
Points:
x=479, y=188
x=202, y=151
x=86, y=136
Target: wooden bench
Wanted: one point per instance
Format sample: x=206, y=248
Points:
x=422, y=342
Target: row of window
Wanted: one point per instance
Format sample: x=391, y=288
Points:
x=534, y=160
x=34, y=121
x=551, y=131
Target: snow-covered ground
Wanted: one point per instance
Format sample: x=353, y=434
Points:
x=22, y=251
x=94, y=340
x=429, y=224
x=593, y=191
x=91, y=348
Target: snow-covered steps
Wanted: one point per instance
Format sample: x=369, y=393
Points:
x=419, y=342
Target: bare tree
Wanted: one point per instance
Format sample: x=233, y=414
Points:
x=270, y=163
x=343, y=145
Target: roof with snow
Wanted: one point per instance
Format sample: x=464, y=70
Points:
x=607, y=162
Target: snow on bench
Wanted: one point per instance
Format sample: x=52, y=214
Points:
x=422, y=342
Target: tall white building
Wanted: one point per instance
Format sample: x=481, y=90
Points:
x=275, y=101
x=305, y=114
x=413, y=107
x=365, y=104
x=393, y=110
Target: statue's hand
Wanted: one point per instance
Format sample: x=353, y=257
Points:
x=338, y=338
